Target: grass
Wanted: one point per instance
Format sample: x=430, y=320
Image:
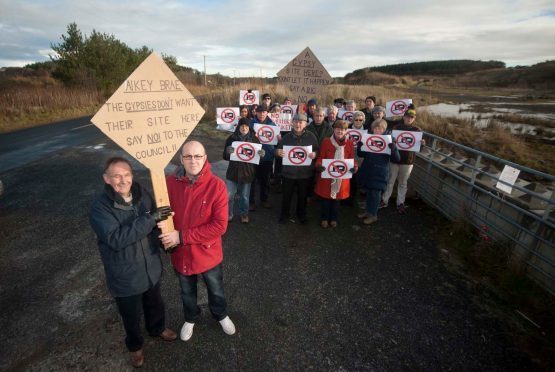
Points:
x=505, y=288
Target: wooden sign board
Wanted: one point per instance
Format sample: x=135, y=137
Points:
x=150, y=115
x=304, y=76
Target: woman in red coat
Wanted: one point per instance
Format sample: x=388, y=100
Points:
x=338, y=146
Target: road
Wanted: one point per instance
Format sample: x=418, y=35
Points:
x=352, y=298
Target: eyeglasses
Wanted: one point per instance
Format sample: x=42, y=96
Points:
x=191, y=157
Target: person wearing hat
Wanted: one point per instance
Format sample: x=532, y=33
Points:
x=266, y=100
x=400, y=170
x=265, y=167
x=373, y=174
x=296, y=178
x=310, y=107
x=331, y=191
x=370, y=103
x=239, y=175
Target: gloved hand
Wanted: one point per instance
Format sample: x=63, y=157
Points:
x=230, y=150
x=261, y=153
x=162, y=213
x=321, y=168
x=352, y=170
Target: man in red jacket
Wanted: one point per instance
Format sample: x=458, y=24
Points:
x=199, y=200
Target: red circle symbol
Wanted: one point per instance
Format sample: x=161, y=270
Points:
x=398, y=108
x=405, y=141
x=228, y=116
x=265, y=134
x=249, y=98
x=376, y=143
x=287, y=109
x=348, y=115
x=337, y=168
x=297, y=155
x=246, y=152
x=355, y=135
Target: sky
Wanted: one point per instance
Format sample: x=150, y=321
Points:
x=258, y=37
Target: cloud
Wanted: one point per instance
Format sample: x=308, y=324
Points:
x=248, y=37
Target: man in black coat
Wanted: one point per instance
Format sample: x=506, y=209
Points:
x=124, y=219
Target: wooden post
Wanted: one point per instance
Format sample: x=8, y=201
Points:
x=161, y=195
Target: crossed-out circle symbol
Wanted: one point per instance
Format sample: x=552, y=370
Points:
x=249, y=98
x=375, y=146
x=261, y=134
x=224, y=116
x=354, y=134
x=293, y=158
x=246, y=155
x=287, y=109
x=335, y=171
x=348, y=116
x=405, y=140
x=398, y=108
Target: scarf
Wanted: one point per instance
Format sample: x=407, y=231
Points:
x=339, y=154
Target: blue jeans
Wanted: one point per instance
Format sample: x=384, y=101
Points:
x=244, y=192
x=373, y=198
x=330, y=210
x=213, y=279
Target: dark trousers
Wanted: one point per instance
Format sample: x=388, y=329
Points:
x=131, y=309
x=263, y=174
x=214, y=281
x=330, y=209
x=289, y=187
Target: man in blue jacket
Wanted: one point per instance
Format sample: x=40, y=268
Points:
x=124, y=219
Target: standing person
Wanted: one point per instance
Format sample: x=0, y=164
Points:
x=369, y=104
x=350, y=105
x=243, y=111
x=401, y=169
x=296, y=178
x=252, y=111
x=338, y=146
x=332, y=115
x=373, y=174
x=239, y=175
x=266, y=100
x=124, y=219
x=339, y=103
x=358, y=123
x=310, y=108
x=265, y=168
x=287, y=101
x=321, y=130
x=199, y=200
x=378, y=113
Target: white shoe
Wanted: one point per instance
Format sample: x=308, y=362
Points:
x=186, y=331
x=227, y=326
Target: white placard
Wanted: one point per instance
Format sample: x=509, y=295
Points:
x=397, y=107
x=376, y=143
x=289, y=109
x=345, y=115
x=509, y=176
x=246, y=152
x=267, y=134
x=249, y=97
x=297, y=155
x=282, y=120
x=407, y=140
x=227, y=115
x=356, y=134
x=226, y=127
x=337, y=168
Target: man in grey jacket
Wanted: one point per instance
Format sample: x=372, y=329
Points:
x=124, y=219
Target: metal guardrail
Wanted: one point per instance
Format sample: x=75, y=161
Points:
x=460, y=182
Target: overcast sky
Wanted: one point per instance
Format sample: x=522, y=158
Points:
x=259, y=37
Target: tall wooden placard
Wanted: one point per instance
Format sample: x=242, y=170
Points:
x=304, y=76
x=150, y=115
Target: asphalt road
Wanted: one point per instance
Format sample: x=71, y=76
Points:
x=353, y=298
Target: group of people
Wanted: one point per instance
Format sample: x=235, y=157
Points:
x=373, y=174
x=131, y=228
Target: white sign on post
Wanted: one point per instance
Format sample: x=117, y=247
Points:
x=337, y=168
x=297, y=155
x=267, y=134
x=376, y=143
x=150, y=115
x=407, y=140
x=509, y=175
x=397, y=107
x=246, y=152
x=227, y=115
x=248, y=98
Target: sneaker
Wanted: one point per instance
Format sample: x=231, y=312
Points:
x=244, y=219
x=186, y=331
x=362, y=214
x=267, y=204
x=369, y=220
x=401, y=209
x=227, y=326
x=382, y=205
x=324, y=224
x=333, y=223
